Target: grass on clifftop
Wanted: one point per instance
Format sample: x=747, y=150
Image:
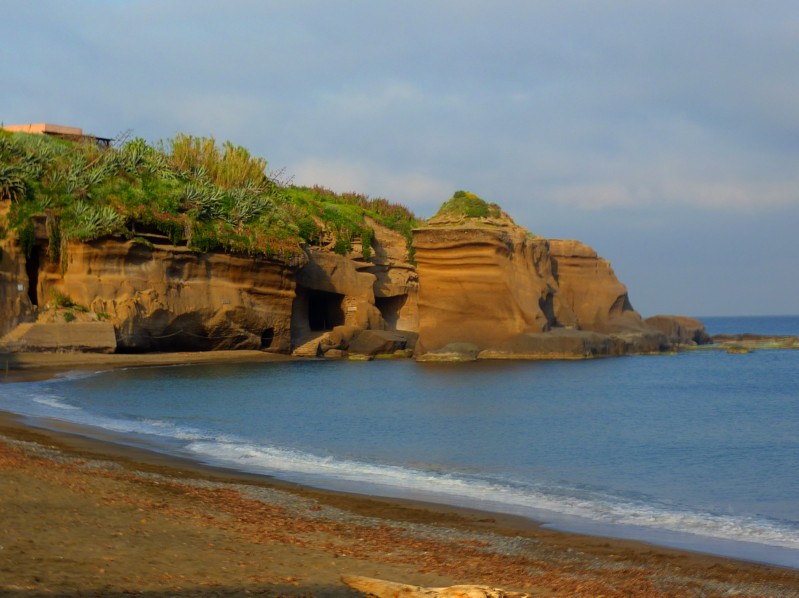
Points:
x=193, y=191
x=464, y=205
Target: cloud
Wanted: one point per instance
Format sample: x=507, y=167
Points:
x=580, y=118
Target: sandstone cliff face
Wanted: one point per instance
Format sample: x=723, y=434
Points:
x=481, y=288
x=159, y=297
x=341, y=298
x=15, y=305
x=396, y=283
x=168, y=298
x=490, y=290
x=481, y=284
x=332, y=292
x=587, y=285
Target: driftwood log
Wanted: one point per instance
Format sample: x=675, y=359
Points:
x=379, y=588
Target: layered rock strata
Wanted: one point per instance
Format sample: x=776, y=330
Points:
x=595, y=299
x=159, y=297
x=491, y=290
x=481, y=285
x=162, y=297
x=480, y=288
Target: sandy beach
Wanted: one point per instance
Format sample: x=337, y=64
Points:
x=86, y=517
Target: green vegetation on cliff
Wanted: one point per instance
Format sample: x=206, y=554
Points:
x=193, y=191
x=464, y=204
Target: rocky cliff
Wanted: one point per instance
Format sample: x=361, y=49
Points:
x=481, y=283
x=481, y=287
x=15, y=305
x=161, y=297
x=490, y=289
x=593, y=298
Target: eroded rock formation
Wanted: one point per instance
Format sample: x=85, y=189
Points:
x=481, y=283
x=15, y=305
x=480, y=288
x=588, y=287
x=159, y=297
x=680, y=330
x=162, y=297
x=491, y=290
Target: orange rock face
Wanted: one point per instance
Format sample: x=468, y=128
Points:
x=481, y=287
x=588, y=287
x=15, y=306
x=160, y=297
x=481, y=284
x=488, y=288
x=168, y=298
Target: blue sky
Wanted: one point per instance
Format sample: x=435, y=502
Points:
x=663, y=133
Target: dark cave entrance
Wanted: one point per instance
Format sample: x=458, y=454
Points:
x=547, y=305
x=324, y=310
x=390, y=309
x=32, y=263
x=267, y=336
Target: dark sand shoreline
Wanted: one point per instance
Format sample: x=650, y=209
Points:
x=439, y=545
x=20, y=367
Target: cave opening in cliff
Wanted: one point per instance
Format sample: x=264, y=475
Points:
x=32, y=264
x=324, y=310
x=390, y=309
x=267, y=336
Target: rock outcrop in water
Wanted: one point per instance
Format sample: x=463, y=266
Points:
x=681, y=330
x=481, y=283
x=490, y=289
x=481, y=287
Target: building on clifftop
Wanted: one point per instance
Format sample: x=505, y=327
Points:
x=70, y=133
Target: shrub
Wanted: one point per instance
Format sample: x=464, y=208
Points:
x=12, y=183
x=62, y=300
x=27, y=238
x=367, y=239
x=342, y=246
x=212, y=197
x=469, y=205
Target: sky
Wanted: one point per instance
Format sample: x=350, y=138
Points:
x=664, y=133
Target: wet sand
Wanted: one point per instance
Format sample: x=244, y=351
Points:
x=85, y=517
x=38, y=365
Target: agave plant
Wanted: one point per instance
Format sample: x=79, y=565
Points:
x=206, y=201
x=12, y=183
x=158, y=165
x=247, y=204
x=133, y=155
x=85, y=222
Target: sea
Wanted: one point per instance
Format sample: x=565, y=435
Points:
x=697, y=450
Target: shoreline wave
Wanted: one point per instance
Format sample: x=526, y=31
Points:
x=579, y=510
x=574, y=507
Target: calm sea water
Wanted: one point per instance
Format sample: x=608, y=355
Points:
x=698, y=450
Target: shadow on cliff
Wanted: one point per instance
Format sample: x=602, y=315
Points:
x=8, y=362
